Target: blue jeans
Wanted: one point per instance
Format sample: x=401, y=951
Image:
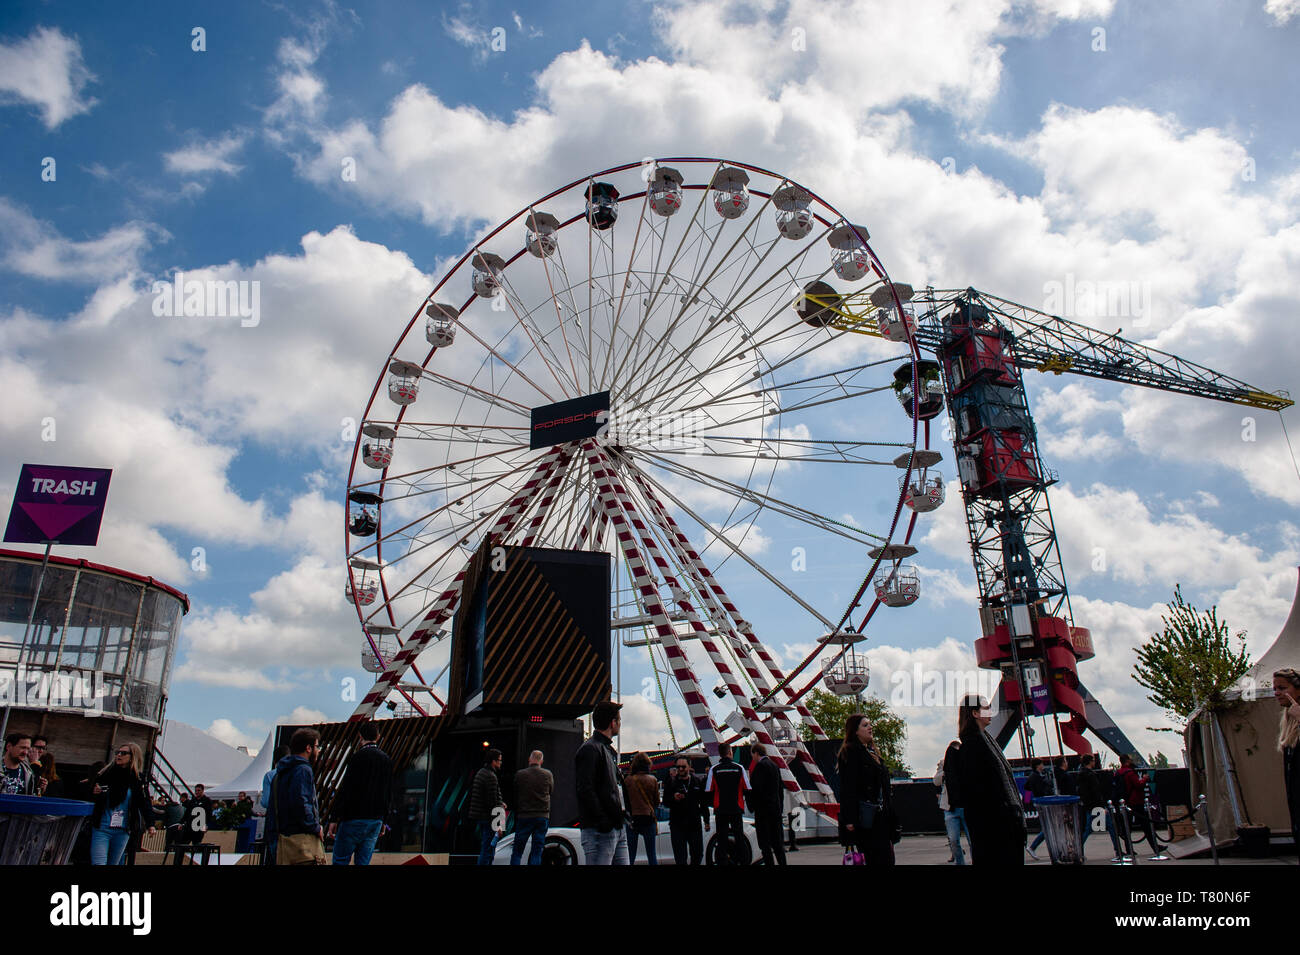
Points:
x=605, y=848
x=487, y=841
x=954, y=820
x=356, y=836
x=526, y=829
x=642, y=827
x=1110, y=828
x=108, y=846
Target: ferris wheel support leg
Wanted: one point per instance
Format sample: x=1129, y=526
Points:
x=723, y=669
x=720, y=607
x=442, y=607
x=548, y=497
x=696, y=704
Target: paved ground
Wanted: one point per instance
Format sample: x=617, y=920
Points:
x=933, y=850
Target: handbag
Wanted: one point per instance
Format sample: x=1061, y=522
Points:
x=854, y=857
x=867, y=813
x=303, y=849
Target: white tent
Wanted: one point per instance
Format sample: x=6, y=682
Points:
x=250, y=780
x=200, y=757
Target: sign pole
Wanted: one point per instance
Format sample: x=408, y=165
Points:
x=22, y=647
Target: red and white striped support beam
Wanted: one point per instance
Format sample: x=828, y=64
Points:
x=720, y=606
x=446, y=603
x=548, y=496
x=738, y=696
x=696, y=705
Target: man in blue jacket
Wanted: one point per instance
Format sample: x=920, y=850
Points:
x=293, y=811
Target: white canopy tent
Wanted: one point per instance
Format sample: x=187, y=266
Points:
x=250, y=780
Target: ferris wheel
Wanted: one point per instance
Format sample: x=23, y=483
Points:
x=647, y=361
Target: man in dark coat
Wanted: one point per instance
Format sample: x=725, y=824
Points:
x=688, y=813
x=362, y=802
x=766, y=799
x=601, y=812
x=486, y=807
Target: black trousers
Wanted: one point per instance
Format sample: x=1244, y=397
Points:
x=728, y=824
x=771, y=837
x=687, y=841
x=995, y=839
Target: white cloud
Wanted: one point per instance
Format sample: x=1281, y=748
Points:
x=645, y=727
x=207, y=156
x=226, y=731
x=36, y=248
x=46, y=70
x=1282, y=10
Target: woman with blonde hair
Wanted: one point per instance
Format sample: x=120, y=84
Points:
x=121, y=807
x=1286, y=687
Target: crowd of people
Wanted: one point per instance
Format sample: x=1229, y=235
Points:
x=620, y=812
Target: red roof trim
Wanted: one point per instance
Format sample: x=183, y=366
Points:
x=100, y=568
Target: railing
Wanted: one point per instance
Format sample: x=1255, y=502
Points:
x=165, y=780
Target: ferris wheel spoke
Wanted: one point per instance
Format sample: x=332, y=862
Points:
x=766, y=501
x=498, y=356
x=540, y=345
x=722, y=539
x=470, y=391
x=653, y=288
x=799, y=384
x=560, y=320
x=694, y=289
x=409, y=477
x=730, y=308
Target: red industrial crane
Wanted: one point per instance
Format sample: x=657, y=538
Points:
x=982, y=345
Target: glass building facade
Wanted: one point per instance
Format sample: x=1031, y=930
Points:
x=94, y=626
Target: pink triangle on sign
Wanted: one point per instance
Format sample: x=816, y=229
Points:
x=54, y=519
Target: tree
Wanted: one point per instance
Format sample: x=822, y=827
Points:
x=889, y=729
x=1158, y=761
x=1190, y=662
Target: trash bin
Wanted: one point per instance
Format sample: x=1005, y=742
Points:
x=39, y=831
x=246, y=834
x=1062, y=823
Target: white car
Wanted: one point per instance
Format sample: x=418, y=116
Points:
x=564, y=847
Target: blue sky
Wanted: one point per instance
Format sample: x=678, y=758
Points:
x=1112, y=165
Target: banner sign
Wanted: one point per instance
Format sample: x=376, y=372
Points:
x=570, y=420
x=58, y=504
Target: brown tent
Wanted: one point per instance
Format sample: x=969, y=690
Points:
x=1232, y=752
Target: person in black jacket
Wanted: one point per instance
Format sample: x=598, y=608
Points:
x=767, y=802
x=121, y=808
x=486, y=807
x=987, y=790
x=1286, y=687
x=601, y=812
x=1092, y=800
x=726, y=786
x=688, y=813
x=362, y=802
x=866, y=807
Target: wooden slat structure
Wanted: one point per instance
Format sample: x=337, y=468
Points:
x=404, y=740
